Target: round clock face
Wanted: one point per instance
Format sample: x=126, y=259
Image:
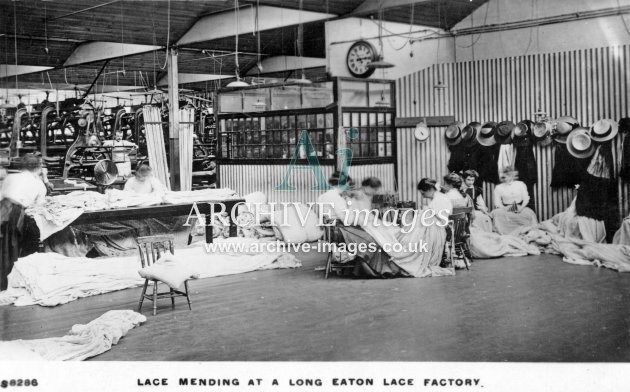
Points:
x=421, y=132
x=359, y=57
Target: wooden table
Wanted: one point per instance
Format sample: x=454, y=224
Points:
x=205, y=209
x=61, y=188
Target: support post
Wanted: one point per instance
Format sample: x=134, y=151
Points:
x=173, y=120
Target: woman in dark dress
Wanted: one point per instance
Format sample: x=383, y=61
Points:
x=19, y=234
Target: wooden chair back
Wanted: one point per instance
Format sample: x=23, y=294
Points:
x=459, y=227
x=152, y=247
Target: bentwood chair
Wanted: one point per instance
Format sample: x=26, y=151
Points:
x=459, y=235
x=151, y=249
x=332, y=237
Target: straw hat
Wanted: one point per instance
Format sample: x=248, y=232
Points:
x=604, y=130
x=453, y=133
x=486, y=134
x=579, y=143
x=469, y=134
x=504, y=132
x=566, y=124
x=522, y=133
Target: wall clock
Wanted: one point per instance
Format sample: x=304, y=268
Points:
x=359, y=57
x=421, y=133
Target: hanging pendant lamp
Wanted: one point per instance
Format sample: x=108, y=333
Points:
x=380, y=62
x=303, y=81
x=238, y=82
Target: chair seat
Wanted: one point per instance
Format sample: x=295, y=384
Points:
x=151, y=248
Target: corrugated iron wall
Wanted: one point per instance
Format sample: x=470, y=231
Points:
x=588, y=84
x=252, y=178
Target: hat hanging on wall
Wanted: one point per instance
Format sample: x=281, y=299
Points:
x=541, y=133
x=579, y=143
x=469, y=134
x=564, y=125
x=486, y=135
x=522, y=133
x=504, y=132
x=604, y=130
x=453, y=133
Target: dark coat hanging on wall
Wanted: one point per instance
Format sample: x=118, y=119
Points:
x=525, y=163
x=568, y=170
x=472, y=155
x=487, y=163
x=457, y=159
x=597, y=195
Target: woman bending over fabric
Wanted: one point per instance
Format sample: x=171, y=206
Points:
x=414, y=249
x=332, y=204
x=511, y=213
x=19, y=234
x=144, y=182
x=481, y=219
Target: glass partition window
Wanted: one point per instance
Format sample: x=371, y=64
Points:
x=354, y=94
x=380, y=95
x=374, y=133
x=276, y=136
x=317, y=95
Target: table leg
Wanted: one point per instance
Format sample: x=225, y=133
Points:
x=233, y=228
x=209, y=229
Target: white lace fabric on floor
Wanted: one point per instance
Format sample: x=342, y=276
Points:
x=50, y=279
x=82, y=341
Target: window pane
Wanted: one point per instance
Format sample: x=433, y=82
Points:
x=255, y=100
x=287, y=97
x=346, y=120
x=364, y=117
x=381, y=119
x=355, y=120
x=372, y=119
x=317, y=96
x=380, y=95
x=353, y=93
x=320, y=120
x=301, y=121
x=329, y=120
x=230, y=102
x=364, y=134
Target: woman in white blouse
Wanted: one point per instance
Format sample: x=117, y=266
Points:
x=511, y=213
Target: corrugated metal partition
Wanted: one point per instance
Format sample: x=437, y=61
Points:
x=588, y=84
x=264, y=178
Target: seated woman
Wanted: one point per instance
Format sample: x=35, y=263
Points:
x=451, y=188
x=481, y=219
x=511, y=214
x=332, y=205
x=474, y=192
x=144, y=183
x=414, y=249
x=371, y=186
